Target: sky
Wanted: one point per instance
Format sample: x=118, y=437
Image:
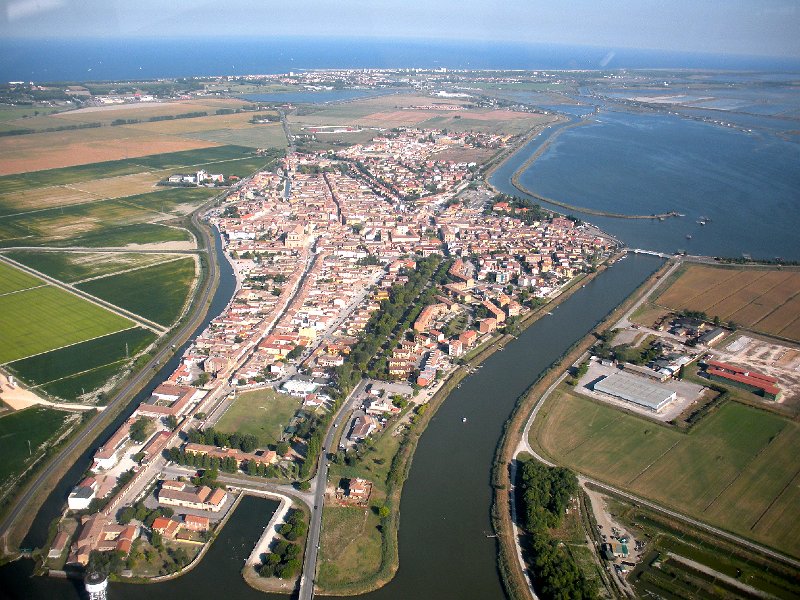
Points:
x=746, y=27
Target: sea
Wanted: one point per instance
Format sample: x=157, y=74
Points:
x=79, y=59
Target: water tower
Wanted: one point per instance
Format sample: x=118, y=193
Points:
x=96, y=585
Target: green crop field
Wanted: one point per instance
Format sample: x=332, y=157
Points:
x=137, y=233
x=35, y=424
x=14, y=280
x=88, y=224
x=735, y=469
x=45, y=318
x=158, y=293
x=84, y=356
x=71, y=388
x=263, y=413
x=74, y=266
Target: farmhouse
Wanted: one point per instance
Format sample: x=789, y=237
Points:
x=637, y=390
x=758, y=383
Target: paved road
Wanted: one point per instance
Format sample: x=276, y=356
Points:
x=320, y=480
x=38, y=487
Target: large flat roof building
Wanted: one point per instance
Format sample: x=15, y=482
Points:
x=637, y=390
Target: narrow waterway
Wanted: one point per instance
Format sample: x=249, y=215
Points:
x=446, y=502
x=52, y=507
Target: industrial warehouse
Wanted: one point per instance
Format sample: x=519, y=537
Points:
x=635, y=389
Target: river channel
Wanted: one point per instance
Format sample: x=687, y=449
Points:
x=445, y=551
x=37, y=535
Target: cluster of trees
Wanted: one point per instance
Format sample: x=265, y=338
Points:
x=26, y=130
x=283, y=561
x=531, y=211
x=189, y=115
x=106, y=563
x=202, y=461
x=260, y=118
x=295, y=527
x=141, y=429
x=245, y=442
x=545, y=493
x=627, y=353
x=143, y=514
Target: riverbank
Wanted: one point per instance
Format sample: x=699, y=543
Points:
x=403, y=459
x=514, y=580
x=30, y=497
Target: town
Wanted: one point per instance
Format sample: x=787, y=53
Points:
x=390, y=260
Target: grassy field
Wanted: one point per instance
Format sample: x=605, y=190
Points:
x=14, y=280
x=397, y=111
x=765, y=300
x=81, y=357
x=350, y=545
x=74, y=266
x=158, y=293
x=344, y=558
x=35, y=424
x=45, y=318
x=75, y=386
x=263, y=413
x=735, y=469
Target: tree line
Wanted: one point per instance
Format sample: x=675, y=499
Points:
x=545, y=493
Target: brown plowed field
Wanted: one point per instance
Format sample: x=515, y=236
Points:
x=759, y=299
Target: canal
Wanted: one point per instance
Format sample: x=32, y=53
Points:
x=445, y=507
x=53, y=505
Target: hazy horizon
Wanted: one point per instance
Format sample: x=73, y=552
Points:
x=767, y=28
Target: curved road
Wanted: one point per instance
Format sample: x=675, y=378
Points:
x=38, y=487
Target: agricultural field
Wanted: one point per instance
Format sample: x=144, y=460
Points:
x=89, y=224
x=263, y=413
x=37, y=151
x=734, y=469
x=255, y=136
x=45, y=318
x=85, y=357
x=764, y=300
x=112, y=168
x=158, y=293
x=36, y=425
x=13, y=280
x=72, y=266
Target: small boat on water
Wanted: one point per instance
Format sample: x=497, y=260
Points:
x=463, y=419
x=688, y=236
